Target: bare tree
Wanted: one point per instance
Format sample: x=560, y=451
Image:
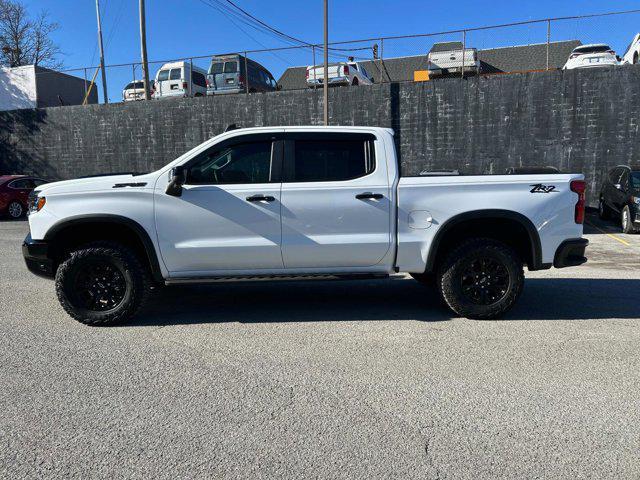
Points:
x=25, y=40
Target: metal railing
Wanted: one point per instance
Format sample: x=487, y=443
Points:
x=550, y=36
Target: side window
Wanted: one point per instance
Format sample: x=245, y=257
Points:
x=20, y=184
x=199, y=79
x=614, y=175
x=163, y=75
x=241, y=163
x=624, y=179
x=332, y=160
x=39, y=181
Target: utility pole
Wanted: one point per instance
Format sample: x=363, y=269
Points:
x=104, y=74
x=143, y=48
x=326, y=63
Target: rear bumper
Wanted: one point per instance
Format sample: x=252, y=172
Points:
x=36, y=257
x=570, y=253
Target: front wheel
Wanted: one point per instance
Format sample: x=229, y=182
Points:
x=15, y=210
x=481, y=279
x=102, y=284
x=625, y=220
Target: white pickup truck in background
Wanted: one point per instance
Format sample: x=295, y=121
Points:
x=452, y=57
x=284, y=202
x=343, y=73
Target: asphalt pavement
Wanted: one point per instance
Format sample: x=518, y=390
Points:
x=369, y=379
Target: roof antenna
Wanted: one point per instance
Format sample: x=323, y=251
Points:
x=233, y=126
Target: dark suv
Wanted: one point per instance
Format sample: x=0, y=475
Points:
x=620, y=197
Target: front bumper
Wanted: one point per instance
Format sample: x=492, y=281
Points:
x=36, y=256
x=570, y=253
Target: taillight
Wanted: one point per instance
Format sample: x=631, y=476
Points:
x=346, y=69
x=241, y=80
x=579, y=187
x=307, y=74
x=184, y=85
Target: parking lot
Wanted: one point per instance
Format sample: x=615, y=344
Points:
x=327, y=379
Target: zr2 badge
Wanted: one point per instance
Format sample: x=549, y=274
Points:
x=540, y=188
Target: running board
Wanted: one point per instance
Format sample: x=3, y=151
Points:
x=270, y=278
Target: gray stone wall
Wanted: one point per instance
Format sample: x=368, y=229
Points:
x=580, y=121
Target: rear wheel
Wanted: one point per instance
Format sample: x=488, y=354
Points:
x=481, y=278
x=635, y=58
x=355, y=82
x=15, y=210
x=102, y=284
x=625, y=220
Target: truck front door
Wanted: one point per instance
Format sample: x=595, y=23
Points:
x=228, y=216
x=336, y=208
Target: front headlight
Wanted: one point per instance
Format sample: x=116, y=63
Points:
x=35, y=202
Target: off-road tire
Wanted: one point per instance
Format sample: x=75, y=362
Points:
x=136, y=279
x=627, y=224
x=457, y=262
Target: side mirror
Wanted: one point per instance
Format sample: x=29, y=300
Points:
x=176, y=181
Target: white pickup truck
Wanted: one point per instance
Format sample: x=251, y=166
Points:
x=452, y=57
x=344, y=73
x=299, y=202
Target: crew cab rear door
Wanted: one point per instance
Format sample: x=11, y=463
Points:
x=336, y=208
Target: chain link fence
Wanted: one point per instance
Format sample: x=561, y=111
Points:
x=535, y=45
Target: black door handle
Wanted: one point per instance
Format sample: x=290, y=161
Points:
x=260, y=198
x=369, y=196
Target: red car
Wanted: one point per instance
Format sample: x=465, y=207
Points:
x=14, y=192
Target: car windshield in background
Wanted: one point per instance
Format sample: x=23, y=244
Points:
x=216, y=68
x=596, y=49
x=231, y=67
x=635, y=179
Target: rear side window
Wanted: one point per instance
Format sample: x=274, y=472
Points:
x=614, y=175
x=163, y=75
x=332, y=160
x=199, y=79
x=231, y=67
x=176, y=74
x=216, y=68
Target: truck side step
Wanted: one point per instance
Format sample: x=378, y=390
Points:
x=268, y=278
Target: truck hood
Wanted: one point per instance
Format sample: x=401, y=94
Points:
x=92, y=184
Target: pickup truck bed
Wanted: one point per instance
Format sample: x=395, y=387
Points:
x=302, y=201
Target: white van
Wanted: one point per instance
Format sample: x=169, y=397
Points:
x=180, y=79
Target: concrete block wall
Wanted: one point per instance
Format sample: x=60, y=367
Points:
x=579, y=121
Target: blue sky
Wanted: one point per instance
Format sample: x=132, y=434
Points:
x=185, y=28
